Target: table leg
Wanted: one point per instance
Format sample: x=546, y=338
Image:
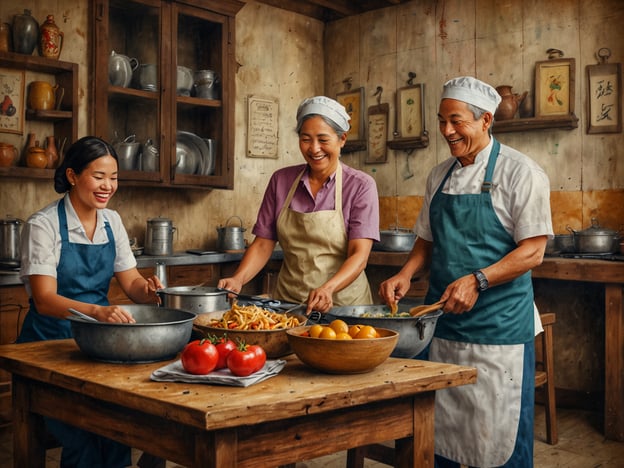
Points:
x=28, y=429
x=614, y=362
x=417, y=451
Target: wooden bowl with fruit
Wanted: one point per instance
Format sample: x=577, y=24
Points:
x=341, y=349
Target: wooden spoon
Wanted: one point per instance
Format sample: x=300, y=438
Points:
x=425, y=309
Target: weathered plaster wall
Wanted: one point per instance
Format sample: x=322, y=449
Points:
x=498, y=42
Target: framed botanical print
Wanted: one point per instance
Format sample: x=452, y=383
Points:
x=353, y=101
x=11, y=101
x=604, y=98
x=554, y=87
x=377, y=134
x=410, y=112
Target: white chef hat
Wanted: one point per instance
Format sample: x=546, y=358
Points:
x=472, y=91
x=327, y=107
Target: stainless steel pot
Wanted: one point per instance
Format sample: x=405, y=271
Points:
x=396, y=240
x=158, y=334
x=195, y=299
x=159, y=236
x=415, y=333
x=10, y=230
x=231, y=238
x=595, y=239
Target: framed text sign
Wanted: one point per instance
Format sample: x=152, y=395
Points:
x=262, y=126
x=605, y=94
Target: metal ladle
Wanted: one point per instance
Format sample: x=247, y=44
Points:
x=86, y=317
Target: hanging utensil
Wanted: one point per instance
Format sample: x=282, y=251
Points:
x=425, y=309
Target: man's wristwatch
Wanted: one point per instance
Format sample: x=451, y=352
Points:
x=482, y=281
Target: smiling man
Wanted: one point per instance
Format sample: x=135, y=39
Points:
x=483, y=226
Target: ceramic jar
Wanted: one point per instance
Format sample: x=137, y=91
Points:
x=5, y=37
x=205, y=84
x=36, y=158
x=25, y=33
x=51, y=153
x=509, y=104
x=184, y=81
x=50, y=39
x=41, y=95
x=8, y=155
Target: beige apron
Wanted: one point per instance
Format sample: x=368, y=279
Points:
x=315, y=247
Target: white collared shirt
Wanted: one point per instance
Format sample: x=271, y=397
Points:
x=40, y=248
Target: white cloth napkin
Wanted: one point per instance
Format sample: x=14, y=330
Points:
x=174, y=372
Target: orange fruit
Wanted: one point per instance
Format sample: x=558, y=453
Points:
x=366, y=332
x=328, y=333
x=339, y=326
x=343, y=336
x=315, y=330
x=354, y=330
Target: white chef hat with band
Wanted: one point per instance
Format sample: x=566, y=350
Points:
x=326, y=107
x=472, y=91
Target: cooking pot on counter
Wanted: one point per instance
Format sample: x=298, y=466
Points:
x=159, y=236
x=396, y=240
x=231, y=238
x=195, y=299
x=415, y=333
x=10, y=231
x=595, y=239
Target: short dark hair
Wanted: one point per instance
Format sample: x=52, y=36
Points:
x=78, y=157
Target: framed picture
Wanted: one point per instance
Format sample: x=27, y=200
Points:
x=554, y=87
x=353, y=101
x=377, y=134
x=604, y=97
x=262, y=127
x=410, y=112
x=11, y=101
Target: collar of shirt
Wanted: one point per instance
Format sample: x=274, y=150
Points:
x=74, y=224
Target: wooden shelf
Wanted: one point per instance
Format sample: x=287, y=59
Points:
x=48, y=115
x=407, y=144
x=562, y=122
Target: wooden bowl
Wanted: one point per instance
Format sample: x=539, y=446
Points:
x=274, y=342
x=342, y=356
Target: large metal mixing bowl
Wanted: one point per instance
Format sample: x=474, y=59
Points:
x=415, y=333
x=158, y=334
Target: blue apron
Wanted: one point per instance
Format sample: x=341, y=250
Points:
x=84, y=273
x=467, y=235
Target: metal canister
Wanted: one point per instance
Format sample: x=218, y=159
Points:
x=10, y=231
x=159, y=236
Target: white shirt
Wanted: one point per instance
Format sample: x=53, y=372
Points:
x=520, y=192
x=41, y=240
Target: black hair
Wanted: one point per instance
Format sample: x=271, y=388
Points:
x=78, y=157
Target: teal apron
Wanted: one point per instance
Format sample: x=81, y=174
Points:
x=84, y=273
x=497, y=334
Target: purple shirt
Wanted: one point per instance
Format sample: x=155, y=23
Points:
x=360, y=202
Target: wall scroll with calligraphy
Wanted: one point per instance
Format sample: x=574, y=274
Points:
x=262, y=126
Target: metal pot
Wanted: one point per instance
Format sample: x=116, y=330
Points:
x=396, y=240
x=158, y=334
x=10, y=230
x=595, y=239
x=415, y=333
x=195, y=299
x=159, y=236
x=231, y=238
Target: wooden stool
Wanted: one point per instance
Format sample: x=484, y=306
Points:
x=544, y=375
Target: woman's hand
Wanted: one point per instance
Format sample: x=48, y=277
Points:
x=152, y=285
x=112, y=314
x=320, y=299
x=394, y=289
x=231, y=284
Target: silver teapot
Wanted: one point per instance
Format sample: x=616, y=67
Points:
x=120, y=68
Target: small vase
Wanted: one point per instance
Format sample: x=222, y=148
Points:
x=5, y=37
x=25, y=33
x=31, y=142
x=50, y=39
x=51, y=153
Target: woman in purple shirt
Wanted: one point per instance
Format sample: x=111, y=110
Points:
x=324, y=214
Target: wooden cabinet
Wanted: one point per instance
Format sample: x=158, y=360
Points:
x=63, y=121
x=164, y=36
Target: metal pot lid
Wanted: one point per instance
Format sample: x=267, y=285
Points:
x=596, y=230
x=160, y=221
x=397, y=230
x=192, y=291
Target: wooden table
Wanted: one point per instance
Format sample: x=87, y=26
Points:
x=299, y=414
x=609, y=273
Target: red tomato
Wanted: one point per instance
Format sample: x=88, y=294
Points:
x=245, y=360
x=224, y=347
x=199, y=357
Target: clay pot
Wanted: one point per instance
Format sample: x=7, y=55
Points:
x=25, y=33
x=36, y=158
x=8, y=155
x=509, y=105
x=51, y=153
x=50, y=39
x=41, y=95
